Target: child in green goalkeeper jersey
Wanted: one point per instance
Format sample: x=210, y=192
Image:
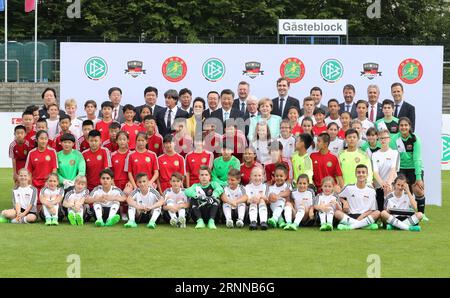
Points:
x=388, y=122
x=223, y=164
x=351, y=157
x=71, y=162
x=205, y=199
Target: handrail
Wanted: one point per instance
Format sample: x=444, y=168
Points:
x=17, y=66
x=41, y=66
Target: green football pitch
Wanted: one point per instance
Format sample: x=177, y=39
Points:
x=39, y=251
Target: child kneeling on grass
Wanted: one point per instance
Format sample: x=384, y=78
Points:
x=176, y=203
x=74, y=201
x=205, y=199
x=24, y=201
x=51, y=196
x=400, y=208
x=106, y=200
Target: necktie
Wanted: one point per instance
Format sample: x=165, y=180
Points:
x=115, y=114
x=243, y=108
x=396, y=111
x=251, y=116
x=281, y=106
x=225, y=118
x=371, y=113
x=348, y=108
x=169, y=119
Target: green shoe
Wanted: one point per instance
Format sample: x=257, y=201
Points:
x=200, y=224
x=272, y=222
x=115, y=219
x=151, y=225
x=99, y=223
x=281, y=223
x=3, y=219
x=425, y=218
x=323, y=227
x=130, y=224
x=48, y=221
x=329, y=227
x=79, y=219
x=72, y=219
x=372, y=227
x=342, y=227
x=415, y=228
x=389, y=227
x=55, y=221
x=211, y=224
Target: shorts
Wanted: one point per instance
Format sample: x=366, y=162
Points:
x=31, y=212
x=354, y=216
x=410, y=175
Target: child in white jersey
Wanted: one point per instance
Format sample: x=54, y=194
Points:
x=234, y=198
x=300, y=204
x=176, y=202
x=256, y=191
x=51, y=196
x=326, y=203
x=279, y=192
x=74, y=201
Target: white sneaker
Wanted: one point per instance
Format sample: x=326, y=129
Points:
x=173, y=222
x=124, y=217
x=229, y=223
x=182, y=222
x=239, y=223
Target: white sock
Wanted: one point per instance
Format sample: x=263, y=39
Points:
x=397, y=223
x=323, y=217
x=277, y=209
x=288, y=214
x=24, y=219
x=156, y=212
x=227, y=211
x=241, y=211
x=98, y=211
x=56, y=207
x=81, y=212
x=330, y=216
x=298, y=216
x=172, y=215
x=412, y=220
x=262, y=212
x=46, y=212
x=113, y=210
x=182, y=213
x=368, y=220
x=253, y=212
x=131, y=213
x=347, y=220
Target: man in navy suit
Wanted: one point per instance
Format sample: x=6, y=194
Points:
x=348, y=105
x=115, y=96
x=213, y=103
x=283, y=102
x=166, y=119
x=375, y=110
x=402, y=108
x=243, y=92
x=150, y=97
x=316, y=94
x=226, y=112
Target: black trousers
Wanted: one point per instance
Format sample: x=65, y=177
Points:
x=207, y=211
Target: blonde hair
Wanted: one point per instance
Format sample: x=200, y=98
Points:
x=70, y=103
x=328, y=179
x=263, y=101
x=81, y=179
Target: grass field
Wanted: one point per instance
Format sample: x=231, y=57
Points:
x=39, y=251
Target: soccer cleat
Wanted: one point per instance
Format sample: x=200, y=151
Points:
x=329, y=227
x=323, y=227
x=130, y=224
x=342, y=227
x=55, y=221
x=415, y=228
x=389, y=227
x=48, y=222
x=281, y=223
x=211, y=224
x=239, y=223
x=264, y=226
x=79, y=219
x=151, y=225
x=229, y=223
x=290, y=227
x=99, y=223
x=272, y=222
x=200, y=224
x=115, y=219
x=3, y=219
x=182, y=222
x=71, y=218
x=424, y=217
x=173, y=222
x=372, y=227
x=253, y=226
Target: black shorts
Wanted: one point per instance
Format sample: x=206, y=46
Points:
x=410, y=175
x=23, y=210
x=354, y=216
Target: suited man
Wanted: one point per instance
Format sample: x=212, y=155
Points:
x=316, y=94
x=226, y=112
x=115, y=96
x=213, y=98
x=402, y=108
x=166, y=119
x=375, y=110
x=240, y=103
x=186, y=100
x=348, y=105
x=150, y=97
x=252, y=111
x=283, y=102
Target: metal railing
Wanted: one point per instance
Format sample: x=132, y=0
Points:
x=17, y=66
x=42, y=64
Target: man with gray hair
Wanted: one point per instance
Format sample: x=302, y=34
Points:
x=252, y=107
x=375, y=110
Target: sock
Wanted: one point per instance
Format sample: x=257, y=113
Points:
x=277, y=209
x=213, y=211
x=14, y=221
x=98, y=211
x=411, y=221
x=262, y=212
x=298, y=216
x=368, y=220
x=182, y=212
x=227, y=211
x=81, y=212
x=46, y=212
x=347, y=220
x=197, y=212
x=25, y=219
x=131, y=213
x=330, y=216
x=241, y=211
x=155, y=214
x=172, y=215
x=288, y=214
x=71, y=211
x=396, y=223
x=420, y=204
x=113, y=210
x=323, y=217
x=253, y=212
x=55, y=215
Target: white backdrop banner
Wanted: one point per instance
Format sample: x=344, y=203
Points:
x=88, y=70
x=445, y=160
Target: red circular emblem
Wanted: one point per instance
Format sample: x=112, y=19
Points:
x=174, y=69
x=292, y=69
x=410, y=71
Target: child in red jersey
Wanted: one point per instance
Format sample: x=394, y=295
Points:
x=320, y=126
x=247, y=166
x=170, y=162
x=235, y=139
x=18, y=151
x=212, y=140
x=111, y=143
x=276, y=154
x=83, y=143
x=103, y=125
x=182, y=139
x=131, y=127
x=28, y=122
x=97, y=159
x=142, y=160
x=196, y=159
x=64, y=125
x=155, y=140
x=145, y=111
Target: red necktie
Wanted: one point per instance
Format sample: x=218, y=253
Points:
x=115, y=112
x=371, y=114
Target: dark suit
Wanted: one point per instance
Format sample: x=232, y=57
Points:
x=156, y=110
x=237, y=104
x=408, y=110
x=291, y=101
x=119, y=118
x=353, y=112
x=380, y=113
x=234, y=114
x=162, y=124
